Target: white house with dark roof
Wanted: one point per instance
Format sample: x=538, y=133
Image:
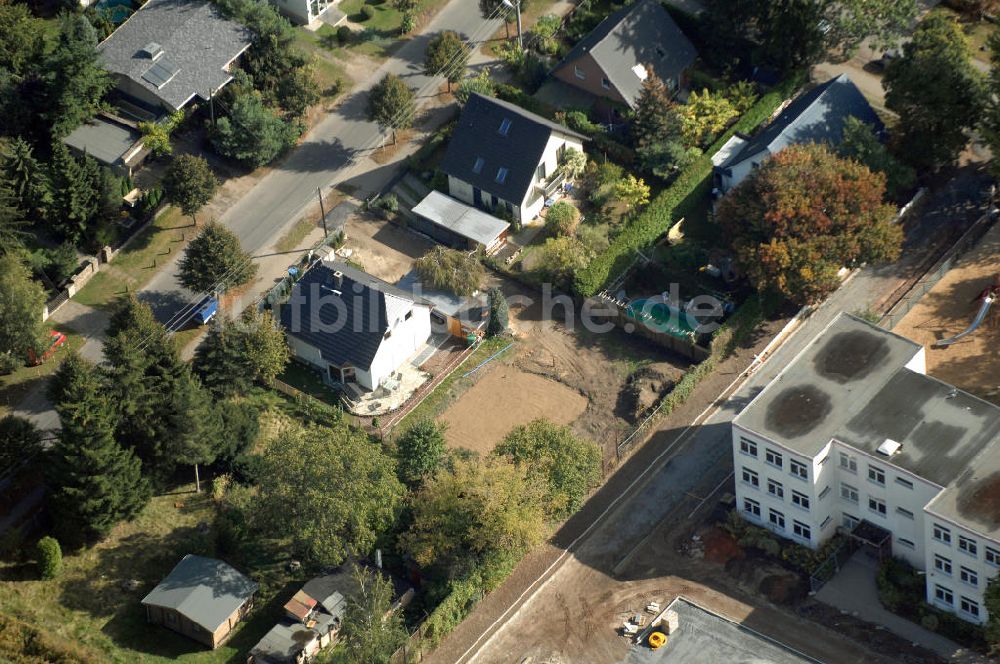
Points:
x=503, y=157
x=816, y=116
x=853, y=437
x=353, y=327
x=304, y=12
x=614, y=60
x=171, y=51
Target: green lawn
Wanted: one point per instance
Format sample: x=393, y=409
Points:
x=16, y=386
x=136, y=264
x=306, y=380
x=89, y=604
x=452, y=387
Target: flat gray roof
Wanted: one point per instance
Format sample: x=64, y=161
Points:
x=851, y=384
x=708, y=638
x=204, y=590
x=103, y=139
x=193, y=44
x=460, y=218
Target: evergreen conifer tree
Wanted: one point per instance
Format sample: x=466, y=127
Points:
x=94, y=482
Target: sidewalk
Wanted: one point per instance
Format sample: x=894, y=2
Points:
x=853, y=591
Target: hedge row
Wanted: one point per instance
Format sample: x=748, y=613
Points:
x=677, y=201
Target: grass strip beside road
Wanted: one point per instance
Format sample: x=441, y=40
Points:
x=138, y=262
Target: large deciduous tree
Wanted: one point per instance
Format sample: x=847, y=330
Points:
x=937, y=91
x=235, y=354
x=93, y=481
x=392, y=104
x=569, y=466
x=447, y=55
x=215, y=261
x=478, y=509
x=420, y=450
x=796, y=33
x=804, y=214
x=331, y=490
x=189, y=183
x=860, y=143
x=990, y=124
x=22, y=300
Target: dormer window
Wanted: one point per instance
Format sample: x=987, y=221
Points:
x=504, y=127
x=478, y=166
x=502, y=175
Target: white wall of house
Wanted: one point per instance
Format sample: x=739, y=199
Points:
x=741, y=170
x=409, y=330
x=303, y=12
x=531, y=206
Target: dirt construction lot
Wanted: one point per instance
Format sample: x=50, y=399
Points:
x=386, y=251
x=513, y=397
x=973, y=362
x=570, y=376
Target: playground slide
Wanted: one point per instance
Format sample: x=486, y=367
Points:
x=980, y=317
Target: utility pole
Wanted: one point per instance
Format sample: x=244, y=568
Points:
x=516, y=6
x=322, y=211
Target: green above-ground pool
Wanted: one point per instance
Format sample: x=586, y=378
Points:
x=118, y=10
x=661, y=317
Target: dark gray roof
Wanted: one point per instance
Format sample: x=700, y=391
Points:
x=345, y=321
x=462, y=219
x=477, y=136
x=851, y=384
x=204, y=590
x=104, y=139
x=196, y=41
x=331, y=590
x=639, y=34
x=817, y=116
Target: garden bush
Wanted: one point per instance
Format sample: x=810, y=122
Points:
x=343, y=34
x=49, y=557
x=681, y=199
x=562, y=219
x=516, y=95
x=368, y=12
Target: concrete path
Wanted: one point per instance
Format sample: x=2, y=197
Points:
x=853, y=590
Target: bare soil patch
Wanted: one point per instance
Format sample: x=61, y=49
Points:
x=503, y=399
x=384, y=249
x=719, y=546
x=971, y=363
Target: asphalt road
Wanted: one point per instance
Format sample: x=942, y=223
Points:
x=335, y=151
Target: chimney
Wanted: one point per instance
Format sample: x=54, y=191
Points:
x=338, y=279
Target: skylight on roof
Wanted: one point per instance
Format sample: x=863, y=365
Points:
x=152, y=50
x=478, y=166
x=502, y=175
x=504, y=127
x=160, y=73
x=640, y=71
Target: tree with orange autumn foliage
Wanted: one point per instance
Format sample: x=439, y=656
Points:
x=804, y=214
